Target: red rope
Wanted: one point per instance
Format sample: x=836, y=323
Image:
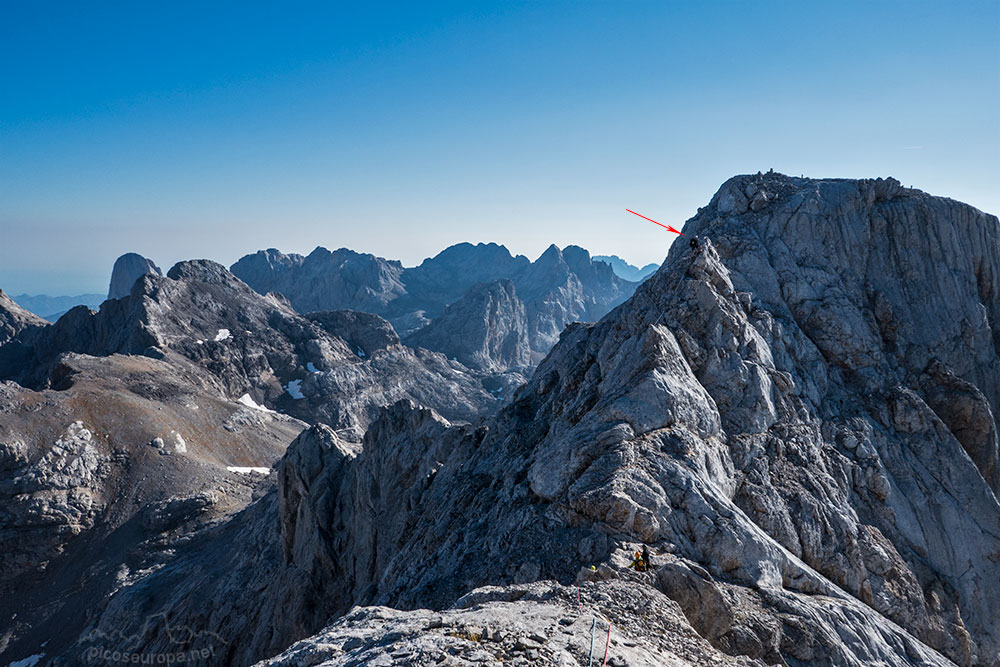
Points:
x=606, y=645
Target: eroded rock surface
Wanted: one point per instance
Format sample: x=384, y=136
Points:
x=798, y=424
x=485, y=329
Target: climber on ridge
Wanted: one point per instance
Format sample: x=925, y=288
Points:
x=695, y=246
x=638, y=563
x=646, y=563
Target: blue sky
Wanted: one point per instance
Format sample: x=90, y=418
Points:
x=183, y=130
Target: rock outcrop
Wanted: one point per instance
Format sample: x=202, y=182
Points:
x=14, y=319
x=486, y=329
x=531, y=624
x=128, y=269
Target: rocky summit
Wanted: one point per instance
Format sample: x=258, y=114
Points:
x=129, y=268
x=794, y=417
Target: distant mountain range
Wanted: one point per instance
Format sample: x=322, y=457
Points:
x=503, y=311
x=52, y=307
x=625, y=270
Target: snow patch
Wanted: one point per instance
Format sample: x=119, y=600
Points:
x=311, y=368
x=248, y=470
x=30, y=661
x=180, y=447
x=294, y=389
x=246, y=400
x=199, y=342
x=222, y=335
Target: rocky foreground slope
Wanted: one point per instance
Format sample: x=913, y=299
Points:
x=798, y=423
x=125, y=431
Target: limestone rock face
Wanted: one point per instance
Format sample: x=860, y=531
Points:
x=129, y=268
x=324, y=280
x=759, y=416
x=364, y=333
x=798, y=424
x=485, y=329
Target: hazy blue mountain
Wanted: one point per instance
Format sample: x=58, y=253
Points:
x=52, y=307
x=625, y=270
x=560, y=287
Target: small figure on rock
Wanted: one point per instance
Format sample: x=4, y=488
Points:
x=638, y=563
x=695, y=246
x=647, y=564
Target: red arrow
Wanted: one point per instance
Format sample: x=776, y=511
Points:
x=667, y=227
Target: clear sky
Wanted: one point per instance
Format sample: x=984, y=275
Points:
x=211, y=129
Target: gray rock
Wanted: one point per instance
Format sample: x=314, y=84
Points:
x=486, y=329
x=798, y=423
x=14, y=319
x=364, y=333
x=127, y=270
x=324, y=280
x=253, y=344
x=511, y=625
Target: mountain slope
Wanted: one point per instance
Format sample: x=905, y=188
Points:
x=487, y=329
x=136, y=427
x=14, y=319
x=127, y=269
x=52, y=308
x=761, y=416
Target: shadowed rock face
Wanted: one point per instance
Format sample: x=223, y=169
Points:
x=790, y=430
x=324, y=280
x=560, y=287
x=485, y=329
x=129, y=268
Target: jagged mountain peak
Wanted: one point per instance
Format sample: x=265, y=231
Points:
x=465, y=250
x=551, y=255
x=486, y=329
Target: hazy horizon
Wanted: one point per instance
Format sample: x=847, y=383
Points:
x=189, y=131
x=165, y=266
